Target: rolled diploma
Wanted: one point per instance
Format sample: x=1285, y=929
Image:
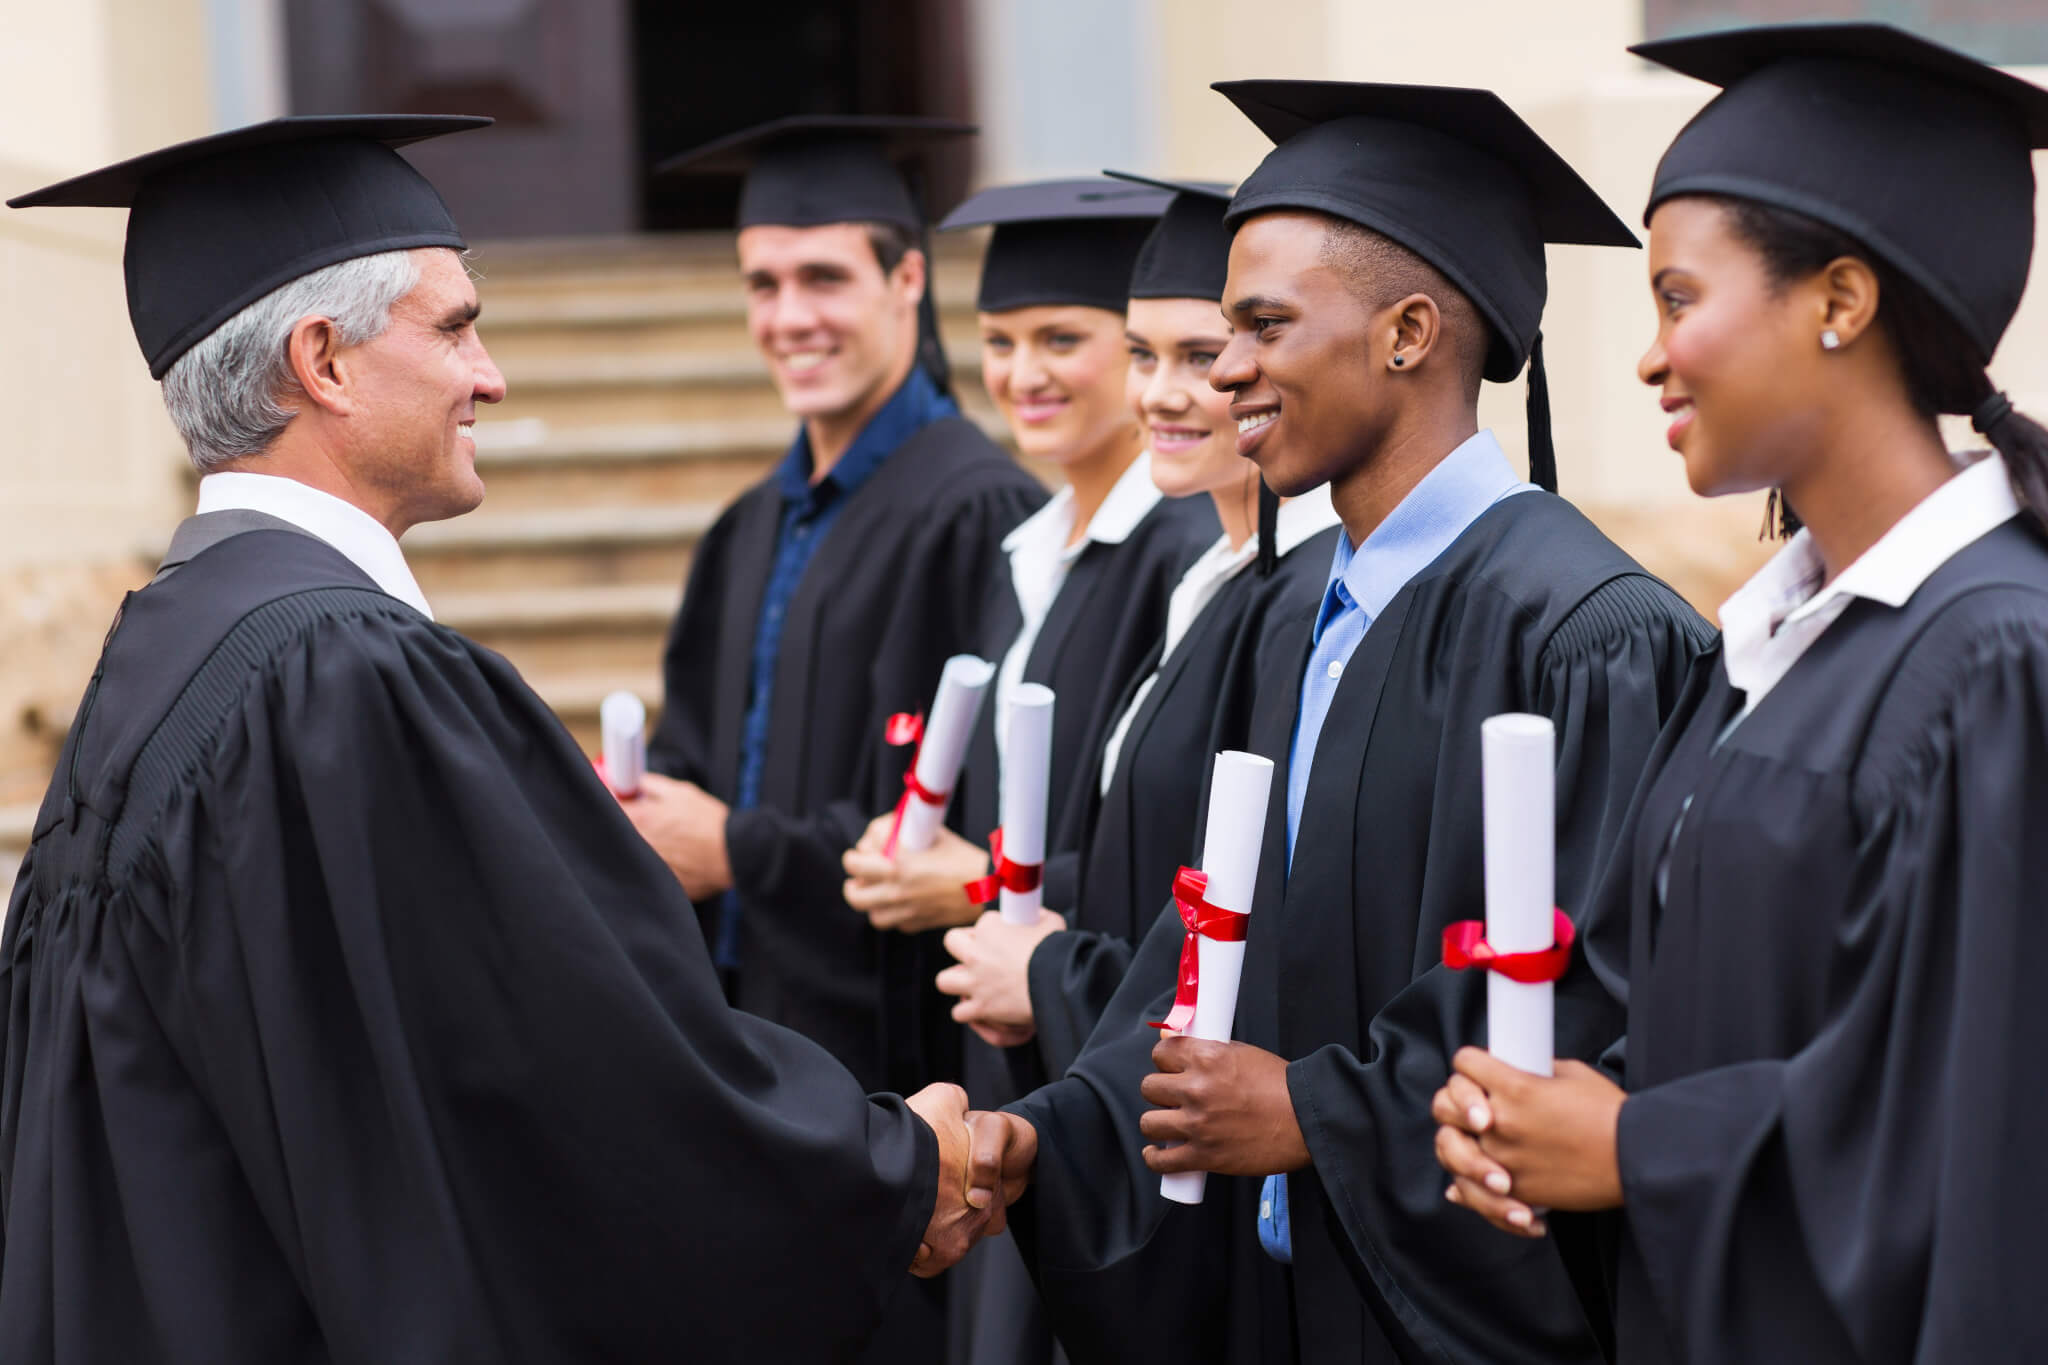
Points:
x=1518, y=764
x=1027, y=754
x=946, y=733
x=1239, y=787
x=623, y=718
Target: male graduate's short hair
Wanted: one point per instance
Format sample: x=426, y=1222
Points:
x=230, y=396
x=891, y=242
x=1382, y=272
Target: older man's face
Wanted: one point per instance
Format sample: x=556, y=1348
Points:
x=416, y=389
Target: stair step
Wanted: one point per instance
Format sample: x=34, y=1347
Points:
x=720, y=368
x=575, y=697
x=603, y=606
x=564, y=528
x=628, y=299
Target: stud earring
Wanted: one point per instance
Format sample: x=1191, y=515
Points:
x=1830, y=340
x=1399, y=361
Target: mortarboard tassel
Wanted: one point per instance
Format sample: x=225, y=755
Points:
x=1542, y=454
x=1269, y=530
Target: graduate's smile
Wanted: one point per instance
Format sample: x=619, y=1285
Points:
x=1174, y=440
x=1040, y=409
x=1252, y=426
x=1682, y=415
x=804, y=364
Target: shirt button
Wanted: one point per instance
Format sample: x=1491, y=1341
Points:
x=1336, y=668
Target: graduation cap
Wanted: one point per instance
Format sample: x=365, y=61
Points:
x=216, y=223
x=1451, y=174
x=1060, y=241
x=812, y=169
x=1917, y=151
x=1187, y=254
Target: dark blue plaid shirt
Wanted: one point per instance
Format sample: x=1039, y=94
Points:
x=808, y=511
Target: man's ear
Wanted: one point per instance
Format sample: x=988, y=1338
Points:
x=1413, y=329
x=908, y=278
x=314, y=352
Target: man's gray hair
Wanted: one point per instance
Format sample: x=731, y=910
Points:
x=230, y=396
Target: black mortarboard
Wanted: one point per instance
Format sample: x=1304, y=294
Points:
x=1917, y=151
x=1059, y=241
x=809, y=170
x=216, y=223
x=1187, y=255
x=1455, y=176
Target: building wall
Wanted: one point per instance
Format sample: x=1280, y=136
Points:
x=89, y=466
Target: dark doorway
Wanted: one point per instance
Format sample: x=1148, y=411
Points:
x=589, y=94
x=703, y=70
x=556, y=74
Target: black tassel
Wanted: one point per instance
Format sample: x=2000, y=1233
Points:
x=1542, y=454
x=931, y=347
x=1269, y=530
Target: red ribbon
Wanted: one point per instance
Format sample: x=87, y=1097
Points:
x=1008, y=876
x=1203, y=920
x=1465, y=946
x=905, y=728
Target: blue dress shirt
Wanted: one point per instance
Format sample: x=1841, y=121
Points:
x=1363, y=581
x=808, y=511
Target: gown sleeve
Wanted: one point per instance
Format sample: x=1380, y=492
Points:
x=1863, y=1198
x=680, y=746
x=1072, y=976
x=782, y=858
x=1608, y=676
x=461, y=1029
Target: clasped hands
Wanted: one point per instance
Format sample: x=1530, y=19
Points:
x=1518, y=1144
x=912, y=892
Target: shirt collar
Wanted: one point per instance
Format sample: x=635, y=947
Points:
x=348, y=528
x=1302, y=518
x=916, y=403
x=1130, y=500
x=1422, y=526
x=1788, y=589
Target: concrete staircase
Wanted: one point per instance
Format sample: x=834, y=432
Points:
x=637, y=409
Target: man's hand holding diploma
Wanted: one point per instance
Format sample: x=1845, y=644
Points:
x=1224, y=1107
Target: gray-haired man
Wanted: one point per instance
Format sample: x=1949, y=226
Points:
x=346, y=1018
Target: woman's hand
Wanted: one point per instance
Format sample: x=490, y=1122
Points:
x=913, y=892
x=992, y=975
x=1517, y=1143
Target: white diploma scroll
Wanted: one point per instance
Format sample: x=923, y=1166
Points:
x=623, y=718
x=1239, y=787
x=943, y=747
x=1027, y=757
x=1518, y=765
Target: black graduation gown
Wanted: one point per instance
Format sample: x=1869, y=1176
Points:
x=348, y=1019
x=1133, y=839
x=1834, y=1018
x=1101, y=630
x=1531, y=609
x=896, y=588
x=1100, y=634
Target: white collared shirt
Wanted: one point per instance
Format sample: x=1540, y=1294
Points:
x=1300, y=518
x=1775, y=617
x=348, y=528
x=1040, y=558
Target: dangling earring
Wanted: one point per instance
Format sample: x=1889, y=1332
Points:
x=1830, y=340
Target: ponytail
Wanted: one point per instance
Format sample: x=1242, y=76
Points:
x=2022, y=442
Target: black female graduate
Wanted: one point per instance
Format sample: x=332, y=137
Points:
x=1824, y=920
x=1132, y=820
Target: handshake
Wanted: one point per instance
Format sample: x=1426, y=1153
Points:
x=985, y=1161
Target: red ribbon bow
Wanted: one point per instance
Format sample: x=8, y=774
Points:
x=1465, y=946
x=905, y=728
x=1008, y=876
x=1203, y=920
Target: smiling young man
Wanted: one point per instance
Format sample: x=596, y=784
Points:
x=1388, y=256
x=345, y=1017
